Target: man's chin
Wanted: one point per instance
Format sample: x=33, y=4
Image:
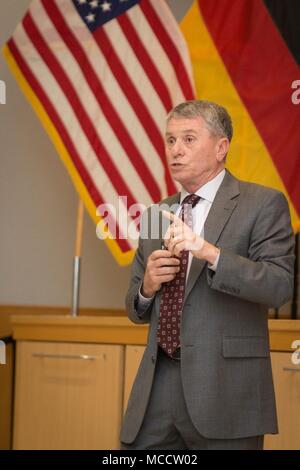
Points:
x=177, y=176
x=179, y=179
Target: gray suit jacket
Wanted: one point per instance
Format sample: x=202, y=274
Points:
x=225, y=358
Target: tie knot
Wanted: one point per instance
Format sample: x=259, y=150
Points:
x=192, y=199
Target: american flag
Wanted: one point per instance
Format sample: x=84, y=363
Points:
x=102, y=75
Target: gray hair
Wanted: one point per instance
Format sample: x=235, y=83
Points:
x=215, y=116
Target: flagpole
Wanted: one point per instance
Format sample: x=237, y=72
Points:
x=77, y=255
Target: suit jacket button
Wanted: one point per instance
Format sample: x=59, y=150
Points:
x=153, y=359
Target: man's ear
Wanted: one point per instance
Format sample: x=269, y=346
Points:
x=222, y=148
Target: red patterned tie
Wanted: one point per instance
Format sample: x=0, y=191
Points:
x=168, y=330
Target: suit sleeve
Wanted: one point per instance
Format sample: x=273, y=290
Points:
x=136, y=313
x=267, y=275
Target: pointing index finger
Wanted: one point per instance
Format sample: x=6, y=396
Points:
x=171, y=216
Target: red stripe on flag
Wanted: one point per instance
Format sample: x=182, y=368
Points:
x=146, y=61
x=82, y=116
x=135, y=99
x=55, y=119
x=262, y=69
x=170, y=49
x=101, y=97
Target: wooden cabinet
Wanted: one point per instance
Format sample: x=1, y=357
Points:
x=6, y=389
x=68, y=395
x=74, y=376
x=69, y=389
x=287, y=386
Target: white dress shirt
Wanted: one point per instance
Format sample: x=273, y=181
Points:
x=207, y=192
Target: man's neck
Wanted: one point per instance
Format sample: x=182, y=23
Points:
x=194, y=187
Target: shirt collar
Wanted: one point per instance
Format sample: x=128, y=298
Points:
x=209, y=190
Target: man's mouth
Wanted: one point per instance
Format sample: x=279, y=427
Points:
x=176, y=164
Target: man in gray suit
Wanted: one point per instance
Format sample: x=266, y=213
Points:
x=206, y=383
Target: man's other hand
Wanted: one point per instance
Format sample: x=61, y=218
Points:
x=161, y=267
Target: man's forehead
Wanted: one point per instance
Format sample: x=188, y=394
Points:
x=184, y=125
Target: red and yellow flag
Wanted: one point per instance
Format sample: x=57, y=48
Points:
x=241, y=60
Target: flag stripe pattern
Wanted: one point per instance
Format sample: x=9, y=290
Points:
x=241, y=61
x=59, y=122
x=286, y=16
x=106, y=73
x=244, y=34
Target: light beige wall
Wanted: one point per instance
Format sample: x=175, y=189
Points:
x=38, y=207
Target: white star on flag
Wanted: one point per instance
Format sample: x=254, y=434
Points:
x=94, y=4
x=90, y=18
x=106, y=6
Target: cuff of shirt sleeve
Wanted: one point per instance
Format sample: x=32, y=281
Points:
x=214, y=266
x=144, y=302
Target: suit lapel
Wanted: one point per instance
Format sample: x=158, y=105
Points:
x=221, y=210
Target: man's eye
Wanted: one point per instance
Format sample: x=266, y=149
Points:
x=170, y=141
x=189, y=139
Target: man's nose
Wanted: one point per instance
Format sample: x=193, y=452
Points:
x=177, y=148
